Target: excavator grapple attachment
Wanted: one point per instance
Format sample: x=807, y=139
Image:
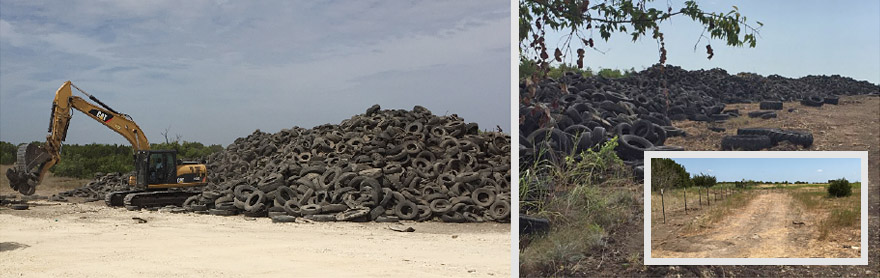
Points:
x=25, y=174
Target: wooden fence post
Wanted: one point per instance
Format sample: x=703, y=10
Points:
x=700, y=193
x=663, y=205
x=685, y=200
x=708, y=200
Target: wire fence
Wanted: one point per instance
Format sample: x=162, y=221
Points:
x=687, y=200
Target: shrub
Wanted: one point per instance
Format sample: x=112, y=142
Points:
x=7, y=152
x=704, y=180
x=839, y=188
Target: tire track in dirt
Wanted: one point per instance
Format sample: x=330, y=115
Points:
x=764, y=228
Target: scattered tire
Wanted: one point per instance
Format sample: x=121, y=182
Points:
x=321, y=217
x=221, y=212
x=19, y=206
x=771, y=105
x=813, y=101
x=832, y=100
x=759, y=114
x=745, y=142
x=283, y=219
x=768, y=115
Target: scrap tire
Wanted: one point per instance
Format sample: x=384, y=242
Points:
x=483, y=197
x=20, y=206
x=813, y=101
x=352, y=214
x=198, y=207
x=283, y=219
x=632, y=147
x=255, y=202
x=500, y=209
x=768, y=115
x=832, y=100
x=221, y=212
x=745, y=142
x=321, y=217
x=310, y=209
x=758, y=114
x=771, y=105
x=406, y=210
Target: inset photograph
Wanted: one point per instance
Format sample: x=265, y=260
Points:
x=755, y=207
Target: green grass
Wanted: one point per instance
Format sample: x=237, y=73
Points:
x=674, y=199
x=842, y=212
x=839, y=218
x=585, y=195
x=810, y=199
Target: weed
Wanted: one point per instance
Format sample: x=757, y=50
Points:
x=581, y=195
x=837, y=219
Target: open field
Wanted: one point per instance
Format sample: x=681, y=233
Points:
x=91, y=240
x=785, y=222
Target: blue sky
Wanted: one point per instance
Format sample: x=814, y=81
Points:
x=213, y=71
x=799, y=38
x=775, y=169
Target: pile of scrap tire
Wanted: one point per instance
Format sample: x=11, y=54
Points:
x=97, y=188
x=383, y=165
x=573, y=113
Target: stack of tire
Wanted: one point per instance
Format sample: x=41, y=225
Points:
x=573, y=113
x=755, y=139
x=97, y=188
x=384, y=165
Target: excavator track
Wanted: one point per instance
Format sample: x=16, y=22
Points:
x=117, y=198
x=147, y=199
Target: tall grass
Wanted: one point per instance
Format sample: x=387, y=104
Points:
x=582, y=196
x=838, y=213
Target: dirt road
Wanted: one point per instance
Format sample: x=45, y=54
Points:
x=771, y=225
x=91, y=240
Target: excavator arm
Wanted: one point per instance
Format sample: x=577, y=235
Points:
x=34, y=160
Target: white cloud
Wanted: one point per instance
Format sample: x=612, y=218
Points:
x=276, y=64
x=710, y=170
x=820, y=170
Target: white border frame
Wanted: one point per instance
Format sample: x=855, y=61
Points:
x=863, y=260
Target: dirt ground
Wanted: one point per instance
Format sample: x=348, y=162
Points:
x=771, y=225
x=91, y=240
x=854, y=125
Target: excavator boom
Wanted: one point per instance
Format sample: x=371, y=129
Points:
x=34, y=160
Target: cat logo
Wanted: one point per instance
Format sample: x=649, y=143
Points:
x=104, y=117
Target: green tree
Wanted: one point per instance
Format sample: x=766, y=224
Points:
x=704, y=180
x=666, y=173
x=581, y=19
x=83, y=161
x=7, y=153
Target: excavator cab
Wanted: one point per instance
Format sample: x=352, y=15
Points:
x=162, y=169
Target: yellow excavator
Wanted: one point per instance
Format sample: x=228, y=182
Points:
x=159, y=175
